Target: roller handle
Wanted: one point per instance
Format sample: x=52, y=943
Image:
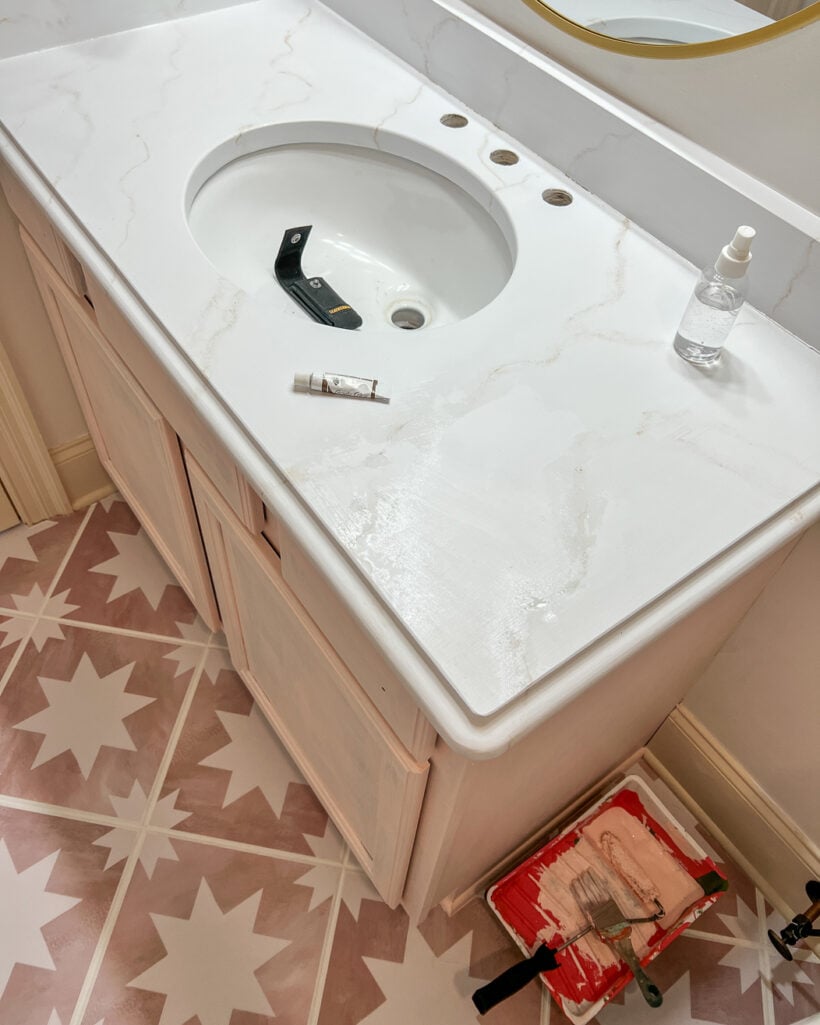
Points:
x=514, y=979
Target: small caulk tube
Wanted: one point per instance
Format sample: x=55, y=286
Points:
x=341, y=384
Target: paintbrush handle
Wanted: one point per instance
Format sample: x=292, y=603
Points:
x=651, y=994
x=515, y=978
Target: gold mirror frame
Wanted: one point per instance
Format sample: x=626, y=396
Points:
x=677, y=51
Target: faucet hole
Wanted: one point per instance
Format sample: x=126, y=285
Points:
x=453, y=120
x=407, y=318
x=556, y=197
x=504, y=156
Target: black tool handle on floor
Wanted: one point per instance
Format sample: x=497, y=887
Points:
x=515, y=978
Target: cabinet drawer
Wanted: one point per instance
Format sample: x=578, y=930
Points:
x=197, y=436
x=366, y=779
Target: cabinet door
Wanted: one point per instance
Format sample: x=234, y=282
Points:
x=136, y=445
x=370, y=785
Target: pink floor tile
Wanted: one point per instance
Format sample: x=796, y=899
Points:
x=697, y=990
x=234, y=778
x=55, y=894
x=115, y=577
x=209, y=935
x=795, y=988
x=87, y=717
x=12, y=630
x=382, y=970
x=30, y=556
x=216, y=937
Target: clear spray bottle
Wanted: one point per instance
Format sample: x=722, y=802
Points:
x=715, y=302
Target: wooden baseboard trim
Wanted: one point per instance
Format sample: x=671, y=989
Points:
x=456, y=901
x=774, y=852
x=81, y=472
x=28, y=473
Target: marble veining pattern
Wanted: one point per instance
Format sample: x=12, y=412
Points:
x=548, y=466
x=28, y=25
x=683, y=195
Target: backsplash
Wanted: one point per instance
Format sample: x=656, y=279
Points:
x=682, y=194
x=679, y=192
x=28, y=25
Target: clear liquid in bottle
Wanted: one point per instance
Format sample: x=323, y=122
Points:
x=708, y=318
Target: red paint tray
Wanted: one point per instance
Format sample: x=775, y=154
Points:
x=533, y=904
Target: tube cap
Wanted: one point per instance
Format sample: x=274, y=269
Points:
x=302, y=381
x=735, y=258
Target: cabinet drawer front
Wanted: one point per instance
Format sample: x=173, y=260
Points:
x=136, y=445
x=366, y=779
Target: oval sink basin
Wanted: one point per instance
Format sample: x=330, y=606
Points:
x=403, y=245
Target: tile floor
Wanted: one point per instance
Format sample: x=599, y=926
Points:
x=163, y=863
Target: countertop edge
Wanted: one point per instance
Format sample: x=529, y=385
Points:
x=475, y=739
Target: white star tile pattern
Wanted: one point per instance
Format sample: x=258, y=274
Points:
x=15, y=544
x=84, y=714
x=155, y=845
x=211, y=959
x=677, y=1004
x=31, y=556
x=26, y=905
x=30, y=603
x=186, y=657
x=118, y=579
x=238, y=900
x=35, y=603
x=322, y=883
x=135, y=567
x=14, y=630
x=254, y=758
x=445, y=995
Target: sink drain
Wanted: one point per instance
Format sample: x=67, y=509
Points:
x=407, y=318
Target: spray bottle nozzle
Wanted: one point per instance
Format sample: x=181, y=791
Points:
x=742, y=242
x=734, y=259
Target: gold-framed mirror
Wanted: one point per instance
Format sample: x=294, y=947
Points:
x=676, y=28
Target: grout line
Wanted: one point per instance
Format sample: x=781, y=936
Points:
x=804, y=954
x=17, y=613
x=766, y=985
x=546, y=1004
x=69, y=552
x=59, y=811
x=18, y=654
x=173, y=739
x=125, y=632
x=242, y=848
x=106, y=933
x=728, y=941
x=47, y=595
x=327, y=947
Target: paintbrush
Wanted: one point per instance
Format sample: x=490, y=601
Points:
x=603, y=913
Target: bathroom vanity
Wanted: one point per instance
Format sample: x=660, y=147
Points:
x=461, y=610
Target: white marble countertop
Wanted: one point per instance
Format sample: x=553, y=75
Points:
x=550, y=485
